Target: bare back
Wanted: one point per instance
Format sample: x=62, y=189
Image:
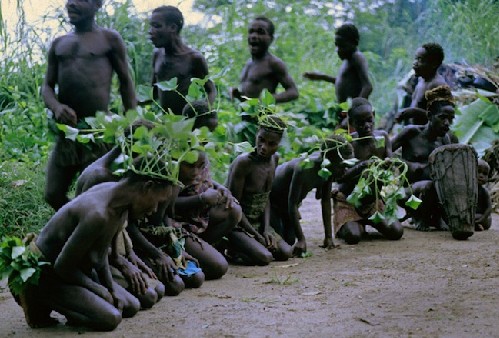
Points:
x=418, y=98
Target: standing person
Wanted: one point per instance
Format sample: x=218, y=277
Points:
x=353, y=76
x=76, y=241
x=81, y=65
x=264, y=70
x=172, y=58
x=250, y=181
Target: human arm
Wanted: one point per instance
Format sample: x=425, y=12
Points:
x=360, y=64
x=316, y=76
x=166, y=266
x=282, y=75
x=200, y=71
x=118, y=57
x=62, y=113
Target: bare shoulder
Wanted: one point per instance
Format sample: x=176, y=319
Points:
x=276, y=63
x=379, y=132
x=113, y=37
x=358, y=57
x=410, y=131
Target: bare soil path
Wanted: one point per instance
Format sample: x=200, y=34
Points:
x=425, y=285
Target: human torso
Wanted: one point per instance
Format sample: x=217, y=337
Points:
x=167, y=67
x=84, y=71
x=364, y=149
x=348, y=83
x=258, y=75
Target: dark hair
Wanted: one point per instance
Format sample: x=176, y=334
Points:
x=171, y=14
x=268, y=21
x=434, y=53
x=484, y=164
x=200, y=110
x=357, y=102
x=336, y=148
x=349, y=32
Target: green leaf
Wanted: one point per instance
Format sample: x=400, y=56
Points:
x=167, y=86
x=68, y=131
x=324, y=173
x=191, y=156
x=144, y=93
x=27, y=273
x=267, y=98
x=377, y=217
x=350, y=162
x=18, y=251
x=379, y=141
x=307, y=163
x=413, y=202
x=243, y=147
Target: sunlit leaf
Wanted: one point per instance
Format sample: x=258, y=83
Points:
x=167, y=85
x=413, y=202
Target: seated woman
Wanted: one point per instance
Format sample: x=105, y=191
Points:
x=76, y=241
x=417, y=143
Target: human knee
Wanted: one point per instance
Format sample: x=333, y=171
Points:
x=107, y=321
x=148, y=299
x=174, y=287
x=395, y=233
x=263, y=258
x=235, y=213
x=217, y=270
x=160, y=290
x=132, y=306
x=284, y=252
x=195, y=281
x=351, y=238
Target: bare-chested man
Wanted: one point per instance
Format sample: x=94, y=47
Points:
x=264, y=70
x=427, y=60
x=353, y=76
x=81, y=65
x=76, y=241
x=174, y=59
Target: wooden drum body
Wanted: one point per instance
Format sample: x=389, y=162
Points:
x=454, y=173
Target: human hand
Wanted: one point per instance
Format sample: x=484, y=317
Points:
x=211, y=196
x=134, y=276
x=135, y=260
x=260, y=239
x=166, y=267
x=270, y=240
x=66, y=115
x=299, y=248
x=226, y=197
x=329, y=244
x=236, y=94
x=187, y=257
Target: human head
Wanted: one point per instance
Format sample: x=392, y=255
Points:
x=260, y=35
x=361, y=116
x=346, y=40
x=204, y=117
x=336, y=149
x=190, y=172
x=428, y=59
x=81, y=11
x=483, y=172
x=166, y=22
x=269, y=135
x=440, y=108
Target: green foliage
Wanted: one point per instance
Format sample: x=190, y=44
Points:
x=23, y=209
x=383, y=179
x=19, y=264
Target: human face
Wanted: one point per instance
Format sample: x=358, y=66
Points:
x=483, y=174
x=441, y=121
x=267, y=143
x=422, y=67
x=344, y=48
x=363, y=120
x=259, y=38
x=81, y=10
x=160, y=32
x=190, y=172
x=147, y=202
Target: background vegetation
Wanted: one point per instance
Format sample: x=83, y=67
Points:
x=390, y=33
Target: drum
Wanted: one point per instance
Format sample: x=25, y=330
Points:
x=453, y=170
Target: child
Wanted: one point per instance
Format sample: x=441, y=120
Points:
x=353, y=76
x=204, y=117
x=348, y=220
x=264, y=70
x=427, y=60
x=208, y=210
x=483, y=217
x=81, y=65
x=250, y=180
x=174, y=59
x=417, y=143
x=76, y=241
x=293, y=182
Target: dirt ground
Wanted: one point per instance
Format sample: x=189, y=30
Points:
x=425, y=285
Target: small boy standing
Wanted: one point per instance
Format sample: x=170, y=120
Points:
x=250, y=181
x=264, y=70
x=174, y=59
